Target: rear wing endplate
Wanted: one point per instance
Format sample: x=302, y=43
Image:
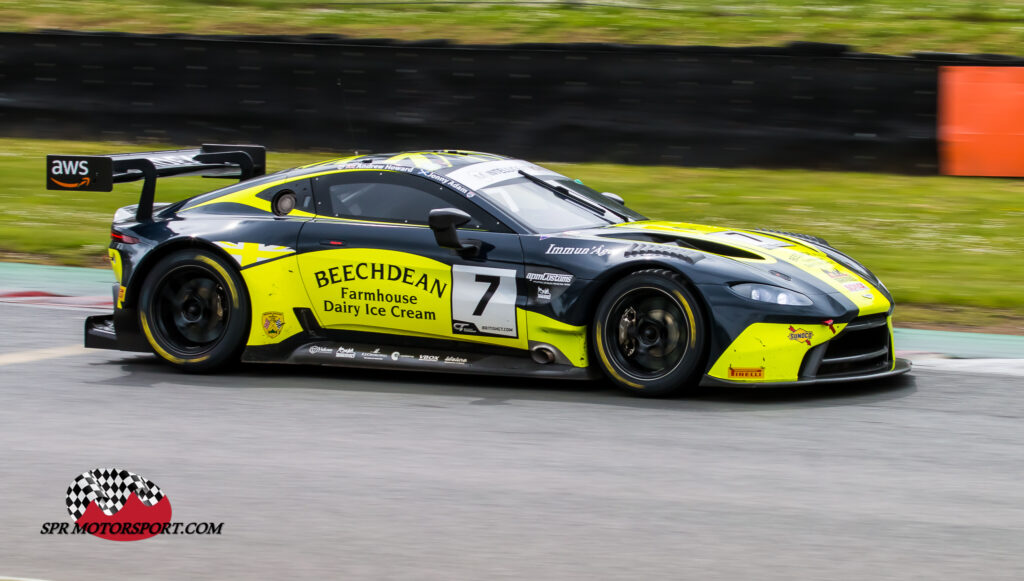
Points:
x=99, y=173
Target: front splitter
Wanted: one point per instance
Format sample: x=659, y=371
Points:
x=902, y=366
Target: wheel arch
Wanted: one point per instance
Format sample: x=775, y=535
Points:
x=141, y=272
x=600, y=286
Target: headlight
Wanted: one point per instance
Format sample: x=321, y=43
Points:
x=767, y=293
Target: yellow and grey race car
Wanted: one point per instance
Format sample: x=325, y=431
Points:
x=468, y=262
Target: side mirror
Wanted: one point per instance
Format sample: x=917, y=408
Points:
x=614, y=197
x=444, y=222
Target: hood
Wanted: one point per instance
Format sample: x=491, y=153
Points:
x=763, y=251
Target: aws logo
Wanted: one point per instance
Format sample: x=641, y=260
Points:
x=71, y=168
x=83, y=172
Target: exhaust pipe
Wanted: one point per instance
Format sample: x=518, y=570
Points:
x=542, y=355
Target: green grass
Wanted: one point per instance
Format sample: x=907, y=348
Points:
x=889, y=26
x=955, y=242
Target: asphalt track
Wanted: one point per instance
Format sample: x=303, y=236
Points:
x=326, y=473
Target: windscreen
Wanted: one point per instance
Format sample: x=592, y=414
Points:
x=561, y=204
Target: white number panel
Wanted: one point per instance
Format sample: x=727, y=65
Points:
x=484, y=301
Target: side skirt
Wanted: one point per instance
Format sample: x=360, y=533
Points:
x=305, y=350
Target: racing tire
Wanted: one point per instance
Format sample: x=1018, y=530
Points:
x=194, y=311
x=649, y=334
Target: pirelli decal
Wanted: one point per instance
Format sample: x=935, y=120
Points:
x=746, y=372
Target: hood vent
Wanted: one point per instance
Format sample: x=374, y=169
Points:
x=687, y=242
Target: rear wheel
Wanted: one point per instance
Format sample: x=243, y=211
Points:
x=194, y=310
x=649, y=334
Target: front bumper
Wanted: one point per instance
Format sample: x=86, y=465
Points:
x=900, y=367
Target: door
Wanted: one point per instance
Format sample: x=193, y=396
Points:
x=370, y=263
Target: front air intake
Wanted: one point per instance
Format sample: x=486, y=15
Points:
x=863, y=347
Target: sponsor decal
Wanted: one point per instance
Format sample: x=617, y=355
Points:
x=398, y=290
x=118, y=505
x=543, y=293
x=838, y=276
x=746, y=372
x=378, y=303
x=455, y=360
x=446, y=181
x=430, y=357
x=374, y=355
x=345, y=353
x=806, y=260
x=587, y=250
x=831, y=325
x=554, y=278
x=273, y=322
x=800, y=335
x=395, y=356
x=318, y=349
x=855, y=286
x=380, y=271
x=482, y=175
x=380, y=166
x=375, y=310
x=464, y=328
x=88, y=173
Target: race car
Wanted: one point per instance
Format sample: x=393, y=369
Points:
x=468, y=262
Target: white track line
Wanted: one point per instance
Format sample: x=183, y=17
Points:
x=1014, y=367
x=41, y=354
x=91, y=310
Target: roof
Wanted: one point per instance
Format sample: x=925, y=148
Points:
x=440, y=161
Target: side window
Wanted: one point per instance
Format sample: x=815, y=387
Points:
x=383, y=196
x=300, y=193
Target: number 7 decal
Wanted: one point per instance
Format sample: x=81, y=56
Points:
x=484, y=301
x=493, y=282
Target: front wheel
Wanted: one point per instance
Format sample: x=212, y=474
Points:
x=649, y=334
x=194, y=311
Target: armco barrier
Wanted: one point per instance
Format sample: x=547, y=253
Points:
x=805, y=105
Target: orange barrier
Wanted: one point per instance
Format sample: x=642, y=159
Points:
x=981, y=121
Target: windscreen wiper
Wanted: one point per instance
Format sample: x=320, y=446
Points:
x=569, y=195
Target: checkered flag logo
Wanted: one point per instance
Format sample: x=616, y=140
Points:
x=109, y=489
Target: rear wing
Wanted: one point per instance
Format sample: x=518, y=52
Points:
x=99, y=173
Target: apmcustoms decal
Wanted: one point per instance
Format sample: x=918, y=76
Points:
x=118, y=505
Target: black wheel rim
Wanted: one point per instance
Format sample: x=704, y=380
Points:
x=647, y=333
x=190, y=309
